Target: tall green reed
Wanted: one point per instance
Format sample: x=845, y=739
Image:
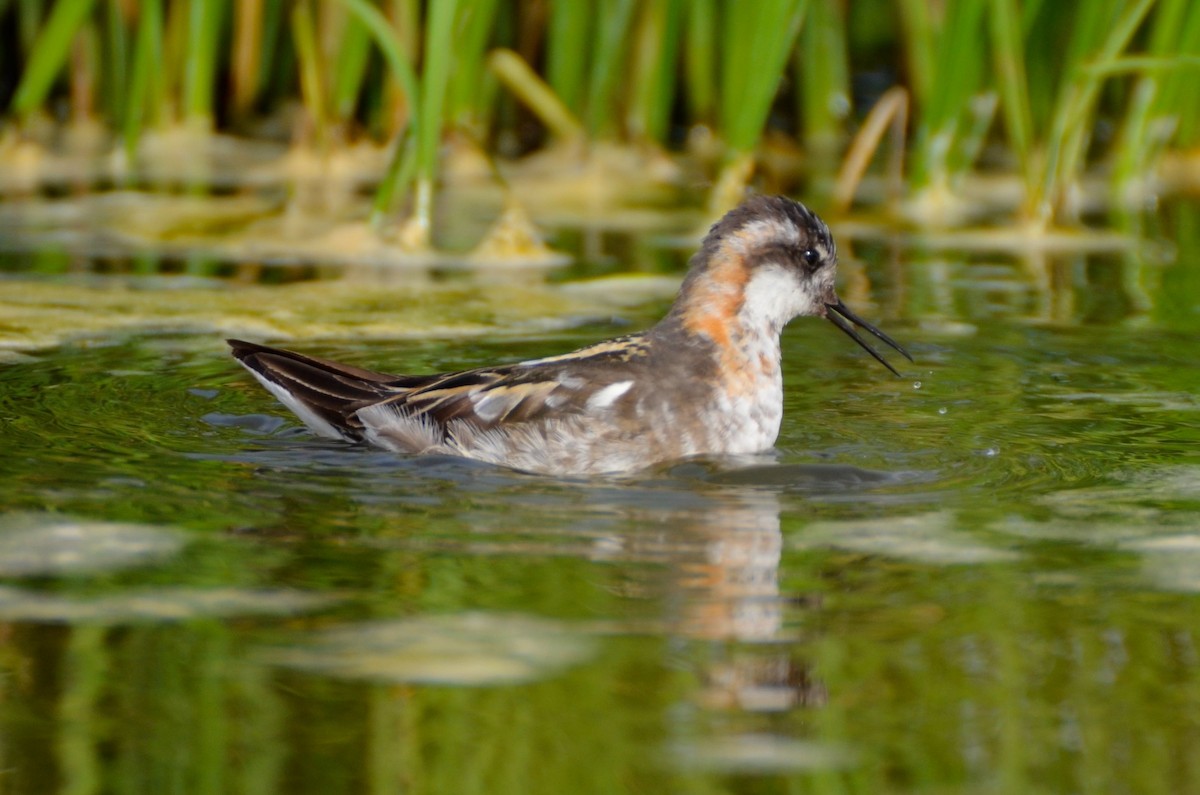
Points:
x=585, y=54
x=756, y=41
x=145, y=82
x=351, y=60
x=405, y=71
x=205, y=21
x=655, y=56
x=471, y=90
x=1163, y=106
x=1071, y=125
x=946, y=67
x=435, y=75
x=48, y=54
x=700, y=61
x=821, y=67
x=1050, y=67
x=312, y=73
x=402, y=162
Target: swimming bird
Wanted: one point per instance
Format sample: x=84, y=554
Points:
x=706, y=379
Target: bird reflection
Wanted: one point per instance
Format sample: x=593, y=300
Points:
x=719, y=579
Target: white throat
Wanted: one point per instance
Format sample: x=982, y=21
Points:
x=773, y=296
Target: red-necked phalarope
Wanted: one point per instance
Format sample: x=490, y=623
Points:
x=704, y=380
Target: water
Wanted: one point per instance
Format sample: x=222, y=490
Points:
x=984, y=576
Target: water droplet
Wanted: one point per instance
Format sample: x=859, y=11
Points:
x=943, y=410
x=991, y=452
x=916, y=384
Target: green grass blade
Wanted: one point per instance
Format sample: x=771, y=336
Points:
x=1135, y=144
x=200, y=71
x=920, y=48
x=439, y=45
x=1145, y=64
x=401, y=171
x=607, y=57
x=824, y=77
x=959, y=67
x=147, y=52
x=390, y=44
x=568, y=50
x=525, y=83
x=350, y=69
x=312, y=87
x=1044, y=30
x=1073, y=119
x=116, y=61
x=470, y=81
x=1008, y=55
x=402, y=167
x=1176, y=34
x=758, y=37
x=700, y=63
x=656, y=50
x=958, y=78
x=48, y=55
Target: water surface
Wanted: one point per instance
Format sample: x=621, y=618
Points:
x=982, y=576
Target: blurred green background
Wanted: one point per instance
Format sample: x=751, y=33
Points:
x=1033, y=114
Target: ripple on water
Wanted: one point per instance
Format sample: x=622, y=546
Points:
x=457, y=649
x=761, y=753
x=45, y=545
x=155, y=605
x=1169, y=562
x=1148, y=501
x=934, y=538
x=802, y=478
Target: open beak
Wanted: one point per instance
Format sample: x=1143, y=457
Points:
x=838, y=313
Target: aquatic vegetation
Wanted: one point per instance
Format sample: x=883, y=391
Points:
x=375, y=95
x=369, y=302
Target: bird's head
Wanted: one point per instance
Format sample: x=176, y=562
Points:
x=765, y=262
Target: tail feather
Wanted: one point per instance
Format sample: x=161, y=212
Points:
x=324, y=394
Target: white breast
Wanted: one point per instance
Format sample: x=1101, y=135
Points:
x=754, y=411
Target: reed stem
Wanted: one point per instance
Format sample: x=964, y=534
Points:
x=203, y=41
x=48, y=55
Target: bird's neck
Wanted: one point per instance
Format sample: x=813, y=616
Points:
x=712, y=311
x=723, y=302
x=741, y=358
x=741, y=364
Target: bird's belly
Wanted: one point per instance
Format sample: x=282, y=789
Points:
x=745, y=424
x=611, y=442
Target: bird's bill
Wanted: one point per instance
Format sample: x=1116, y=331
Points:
x=838, y=313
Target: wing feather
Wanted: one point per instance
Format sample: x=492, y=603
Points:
x=339, y=395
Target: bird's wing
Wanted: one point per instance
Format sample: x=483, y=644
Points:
x=328, y=395
x=526, y=392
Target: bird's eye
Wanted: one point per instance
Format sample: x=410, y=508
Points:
x=811, y=257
